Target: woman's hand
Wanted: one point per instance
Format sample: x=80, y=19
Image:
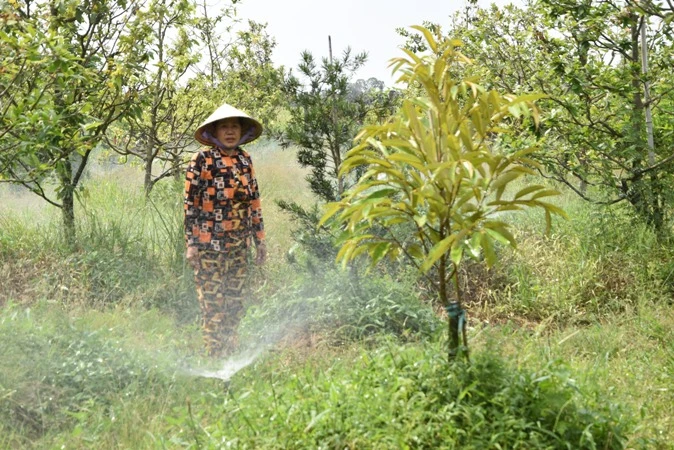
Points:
x=261, y=256
x=192, y=257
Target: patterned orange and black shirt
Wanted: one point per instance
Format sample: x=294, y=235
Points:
x=222, y=201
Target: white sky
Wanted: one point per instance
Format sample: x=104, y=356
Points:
x=364, y=25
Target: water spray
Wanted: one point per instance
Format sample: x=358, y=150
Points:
x=230, y=366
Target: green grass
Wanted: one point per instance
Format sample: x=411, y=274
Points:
x=116, y=378
x=572, y=336
x=596, y=264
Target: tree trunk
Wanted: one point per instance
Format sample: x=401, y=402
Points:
x=178, y=172
x=68, y=213
x=656, y=189
x=644, y=192
x=454, y=332
x=456, y=316
x=67, y=201
x=647, y=94
x=637, y=111
x=336, y=155
x=149, y=157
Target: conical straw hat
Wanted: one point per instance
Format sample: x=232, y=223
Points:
x=251, y=128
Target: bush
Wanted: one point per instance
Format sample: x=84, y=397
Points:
x=341, y=306
x=597, y=264
x=52, y=371
x=408, y=397
x=128, y=250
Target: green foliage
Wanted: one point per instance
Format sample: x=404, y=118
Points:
x=251, y=81
x=166, y=126
x=611, y=266
x=398, y=397
x=69, y=71
x=327, y=111
x=238, y=70
x=316, y=243
x=374, y=393
x=586, y=57
x=129, y=250
x=55, y=371
x=440, y=166
x=92, y=379
x=340, y=307
x=326, y=114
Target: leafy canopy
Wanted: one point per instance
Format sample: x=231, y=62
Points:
x=67, y=72
x=608, y=112
x=327, y=112
x=439, y=167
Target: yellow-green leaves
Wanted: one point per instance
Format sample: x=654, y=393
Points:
x=437, y=175
x=437, y=251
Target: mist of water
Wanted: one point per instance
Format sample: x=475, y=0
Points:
x=230, y=366
x=251, y=351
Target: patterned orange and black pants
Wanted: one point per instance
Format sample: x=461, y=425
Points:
x=220, y=281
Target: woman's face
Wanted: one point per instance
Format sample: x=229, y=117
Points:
x=228, y=131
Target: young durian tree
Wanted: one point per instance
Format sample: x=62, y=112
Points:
x=439, y=167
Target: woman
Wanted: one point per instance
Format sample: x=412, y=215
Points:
x=223, y=217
